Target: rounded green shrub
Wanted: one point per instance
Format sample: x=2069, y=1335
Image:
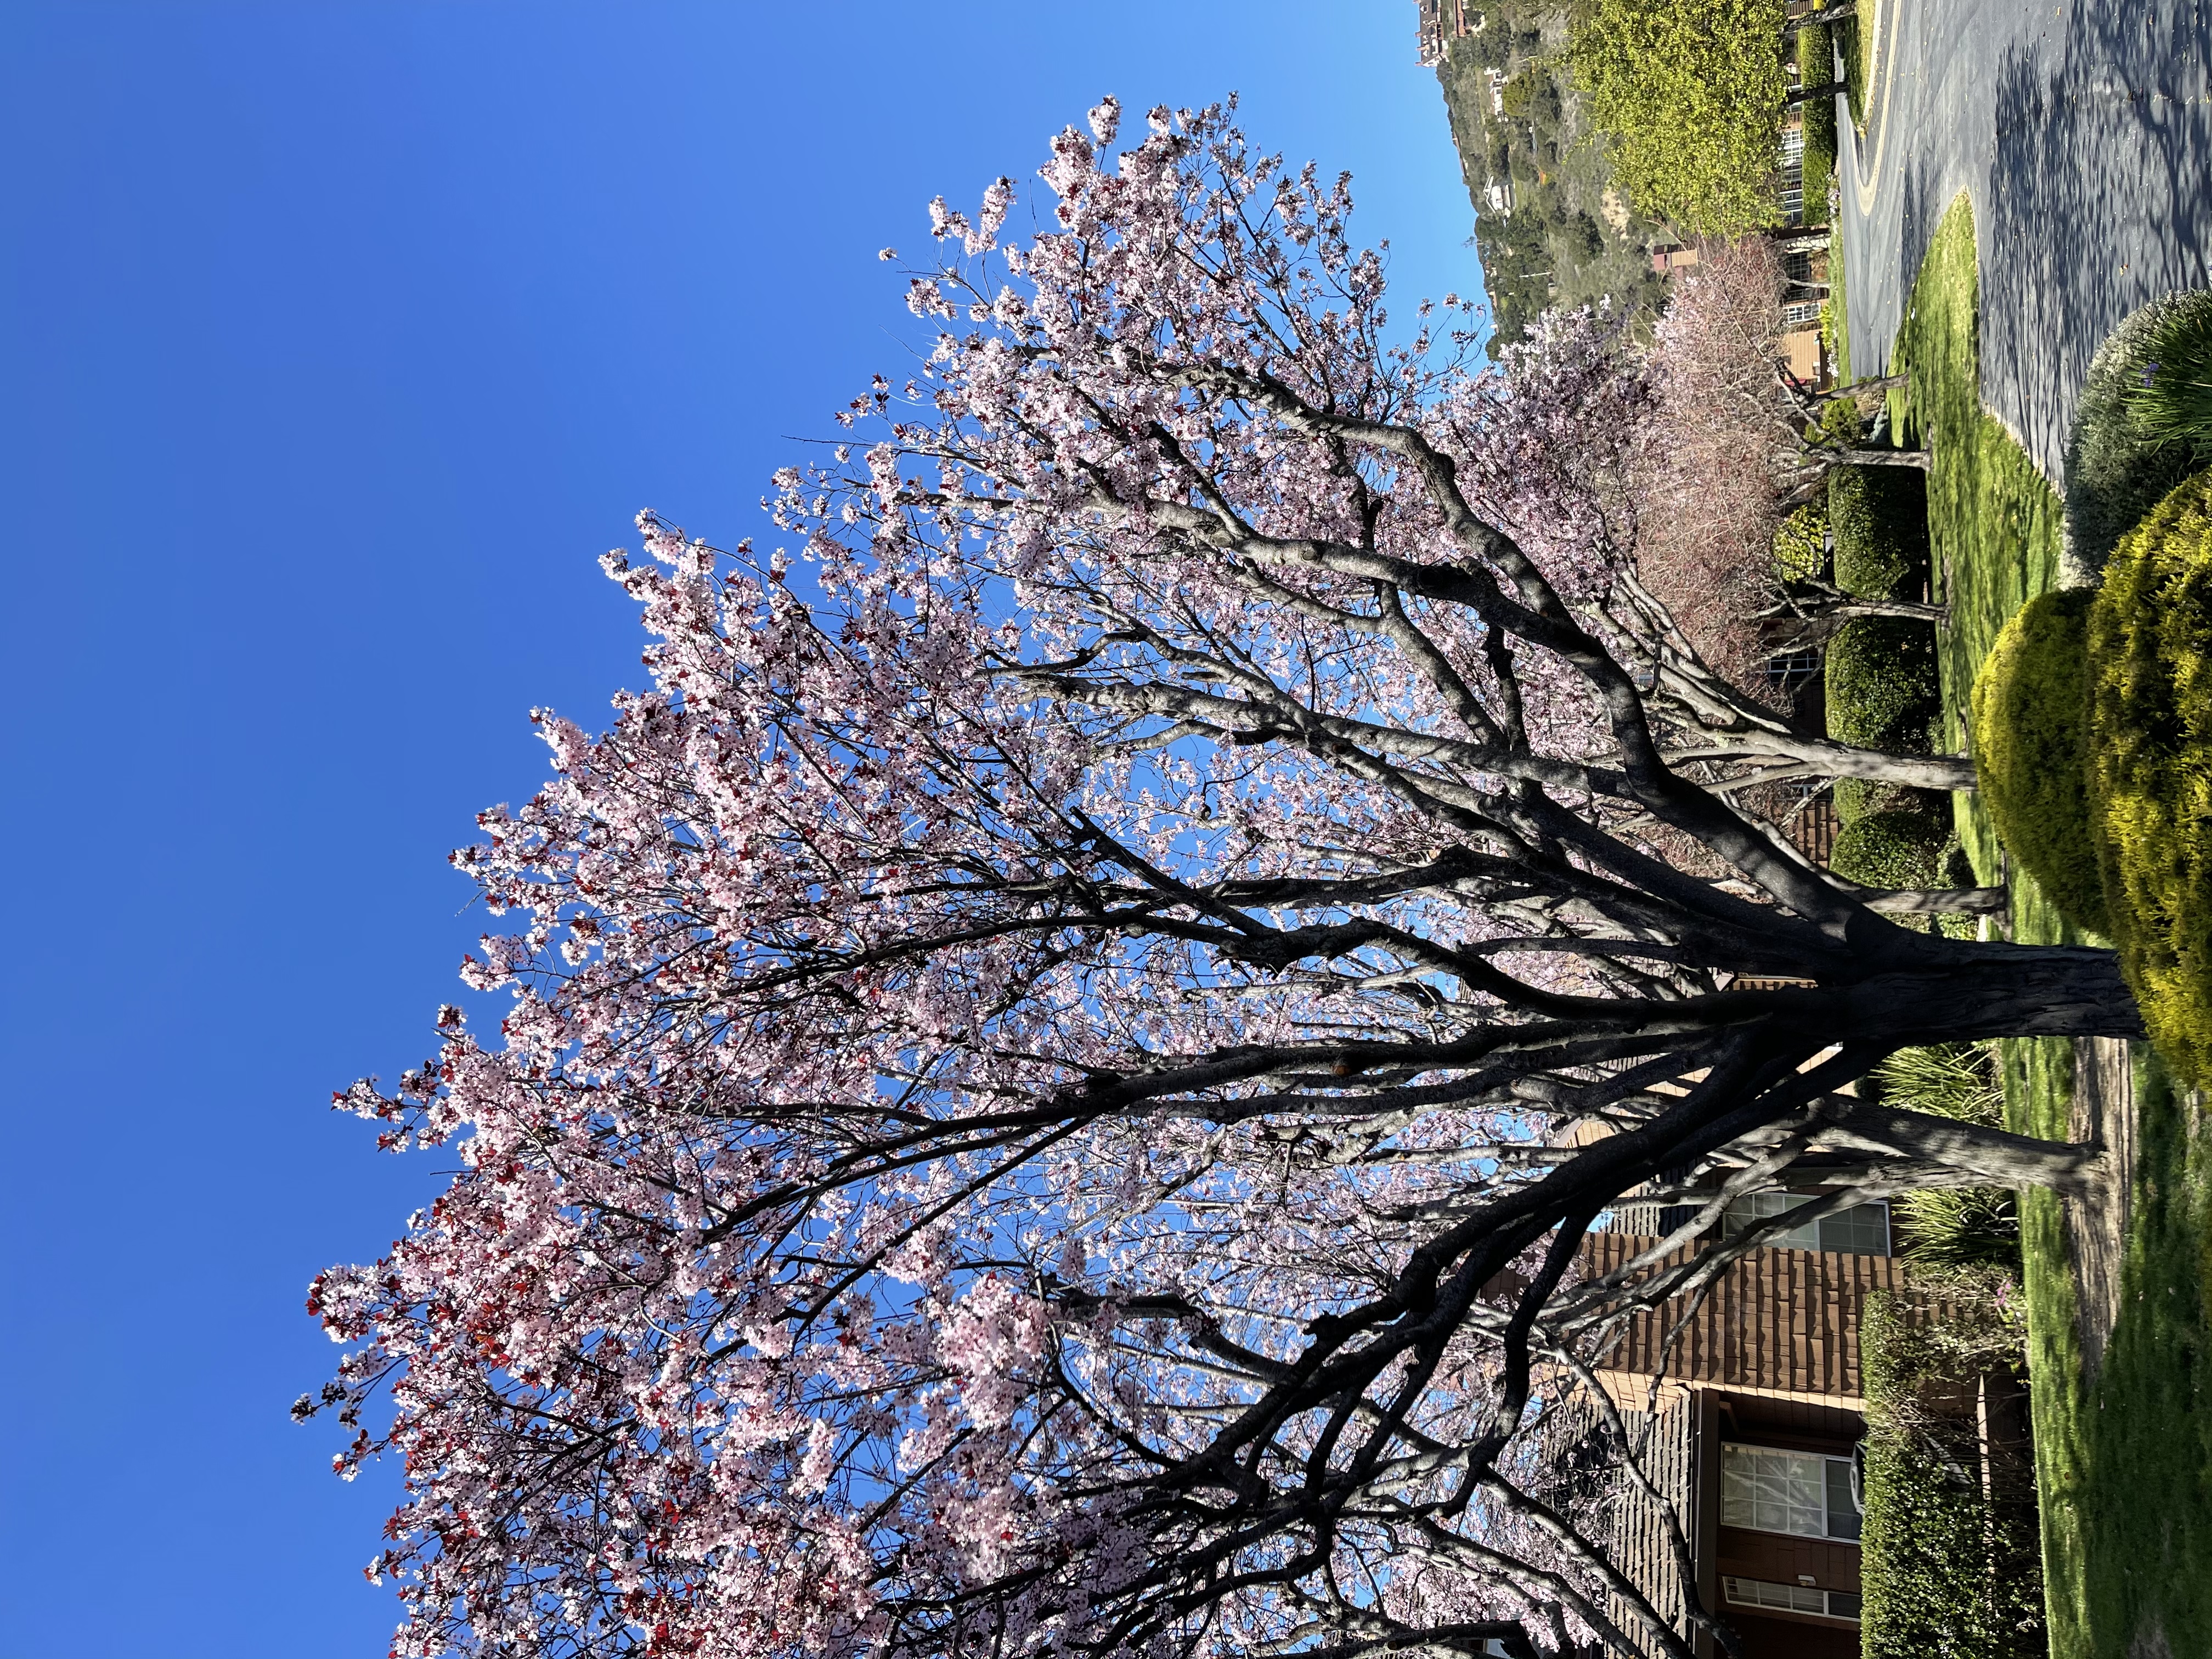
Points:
x=2031, y=710
x=1878, y=516
x=2121, y=459
x=1856, y=797
x=1895, y=847
x=2150, y=767
x=1882, y=689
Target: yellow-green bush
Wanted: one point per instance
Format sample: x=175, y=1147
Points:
x=2150, y=767
x=1801, y=545
x=2031, y=719
x=1881, y=683
x=1878, y=516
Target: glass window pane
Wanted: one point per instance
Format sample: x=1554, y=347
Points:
x=1842, y=1514
x=1772, y=1490
x=1842, y=1604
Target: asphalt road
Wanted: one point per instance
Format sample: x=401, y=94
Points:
x=2081, y=131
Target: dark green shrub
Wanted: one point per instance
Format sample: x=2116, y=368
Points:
x=1882, y=690
x=2116, y=469
x=1816, y=58
x=2150, y=767
x=1878, y=516
x=1892, y=849
x=2031, y=708
x=1949, y=1555
x=1856, y=797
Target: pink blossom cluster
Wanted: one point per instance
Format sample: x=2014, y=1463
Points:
x=1053, y=936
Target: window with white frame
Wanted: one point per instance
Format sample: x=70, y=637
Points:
x=1862, y=1230
x=1803, y=1494
x=1792, y=1598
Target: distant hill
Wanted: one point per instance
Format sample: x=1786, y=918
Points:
x=1550, y=229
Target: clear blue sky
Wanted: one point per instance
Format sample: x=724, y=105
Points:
x=339, y=340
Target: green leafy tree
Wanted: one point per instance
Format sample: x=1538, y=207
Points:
x=1689, y=95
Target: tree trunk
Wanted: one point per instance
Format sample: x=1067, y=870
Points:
x=1880, y=383
x=1806, y=95
x=1965, y=990
x=1938, y=901
x=1878, y=766
x=1834, y=14
x=1913, y=457
x=1983, y=1157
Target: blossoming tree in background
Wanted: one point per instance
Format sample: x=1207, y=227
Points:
x=1060, y=1057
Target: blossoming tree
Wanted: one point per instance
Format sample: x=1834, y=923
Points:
x=1060, y=1057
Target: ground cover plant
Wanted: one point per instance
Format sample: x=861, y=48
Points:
x=2124, y=1461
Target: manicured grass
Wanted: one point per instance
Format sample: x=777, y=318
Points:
x=1858, y=72
x=2125, y=1466
x=1835, y=316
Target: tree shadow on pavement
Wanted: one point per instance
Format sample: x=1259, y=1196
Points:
x=2099, y=200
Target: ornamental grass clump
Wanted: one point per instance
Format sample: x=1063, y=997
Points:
x=2030, y=729
x=2150, y=767
x=1878, y=516
x=1882, y=689
x=2170, y=398
x=2143, y=424
x=1955, y=1080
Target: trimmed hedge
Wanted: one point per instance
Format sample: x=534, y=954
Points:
x=1816, y=61
x=1947, y=1573
x=1893, y=847
x=1879, y=518
x=2031, y=712
x=2114, y=473
x=2150, y=767
x=1882, y=689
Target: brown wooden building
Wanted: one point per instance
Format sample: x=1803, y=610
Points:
x=1747, y=1425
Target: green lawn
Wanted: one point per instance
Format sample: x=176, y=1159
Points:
x=2125, y=1468
x=1835, y=318
x=1858, y=73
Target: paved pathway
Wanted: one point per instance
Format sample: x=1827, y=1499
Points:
x=2081, y=130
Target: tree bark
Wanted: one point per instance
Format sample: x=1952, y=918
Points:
x=1834, y=14
x=1938, y=901
x=1983, y=1155
x=1913, y=457
x=1806, y=95
x=1965, y=990
x=1879, y=383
